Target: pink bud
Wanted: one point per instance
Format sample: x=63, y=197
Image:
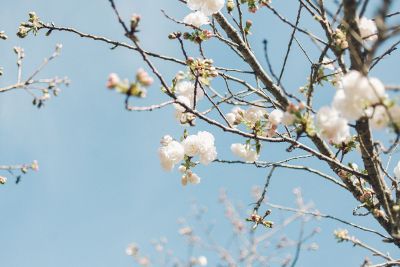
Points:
x=113, y=80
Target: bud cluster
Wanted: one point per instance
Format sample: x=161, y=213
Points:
x=33, y=25
x=137, y=88
x=198, y=36
x=253, y=5
x=202, y=68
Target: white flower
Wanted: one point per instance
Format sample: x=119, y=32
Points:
x=209, y=155
x=182, y=169
x=186, y=88
x=202, y=261
x=180, y=112
x=245, y=152
x=193, y=178
x=251, y=156
x=275, y=117
x=288, y=118
x=166, y=139
x=332, y=126
x=184, y=100
x=254, y=114
x=238, y=112
x=354, y=166
x=358, y=93
x=207, y=150
x=196, y=19
x=235, y=116
x=191, y=145
x=208, y=7
x=396, y=170
x=190, y=177
x=379, y=117
x=327, y=63
x=231, y=118
x=195, y=4
x=113, y=80
x=170, y=154
x=368, y=29
x=202, y=145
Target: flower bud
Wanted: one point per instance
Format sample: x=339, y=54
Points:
x=3, y=35
x=230, y=6
x=135, y=19
x=3, y=180
x=22, y=31
x=35, y=165
x=143, y=78
x=247, y=27
x=113, y=80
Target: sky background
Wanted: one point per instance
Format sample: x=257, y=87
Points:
x=100, y=186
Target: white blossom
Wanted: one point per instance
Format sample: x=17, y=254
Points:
x=195, y=4
x=327, y=63
x=170, y=154
x=187, y=89
x=358, y=93
x=208, y=7
x=190, y=177
x=231, y=118
x=202, y=260
x=254, y=114
x=182, y=169
x=113, y=80
x=201, y=145
x=288, y=118
x=275, y=117
x=368, y=29
x=235, y=116
x=332, y=126
x=196, y=19
x=379, y=117
x=238, y=112
x=191, y=145
x=245, y=152
x=184, y=100
x=166, y=139
x=193, y=178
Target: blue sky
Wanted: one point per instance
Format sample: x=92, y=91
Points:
x=100, y=186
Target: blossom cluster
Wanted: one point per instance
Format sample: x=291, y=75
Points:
x=357, y=96
x=173, y=152
x=202, y=9
x=260, y=122
x=136, y=88
x=367, y=28
x=188, y=93
x=188, y=87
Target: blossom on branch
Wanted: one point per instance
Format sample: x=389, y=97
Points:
x=207, y=7
x=358, y=93
x=245, y=152
x=368, y=29
x=171, y=153
x=196, y=19
x=332, y=126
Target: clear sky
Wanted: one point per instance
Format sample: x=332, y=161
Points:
x=100, y=186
